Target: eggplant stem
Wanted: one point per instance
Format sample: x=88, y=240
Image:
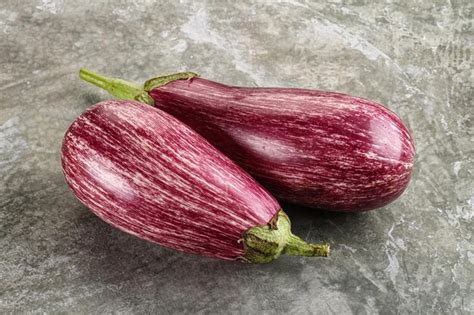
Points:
x=119, y=88
x=126, y=90
x=297, y=247
x=265, y=243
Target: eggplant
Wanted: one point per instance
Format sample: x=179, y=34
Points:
x=146, y=173
x=319, y=149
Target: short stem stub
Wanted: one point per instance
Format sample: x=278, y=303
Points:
x=297, y=247
x=267, y=242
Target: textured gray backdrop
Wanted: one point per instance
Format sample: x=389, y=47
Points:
x=413, y=256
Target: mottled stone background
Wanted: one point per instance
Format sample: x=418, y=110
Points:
x=413, y=256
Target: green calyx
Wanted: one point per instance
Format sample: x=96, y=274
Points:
x=126, y=90
x=162, y=80
x=267, y=242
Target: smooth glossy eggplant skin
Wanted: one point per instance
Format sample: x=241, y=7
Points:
x=321, y=149
x=143, y=171
x=148, y=174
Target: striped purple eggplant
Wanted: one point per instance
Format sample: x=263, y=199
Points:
x=143, y=171
x=320, y=149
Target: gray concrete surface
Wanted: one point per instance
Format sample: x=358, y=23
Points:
x=413, y=256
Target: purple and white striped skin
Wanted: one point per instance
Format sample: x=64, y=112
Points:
x=143, y=171
x=146, y=173
x=320, y=149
